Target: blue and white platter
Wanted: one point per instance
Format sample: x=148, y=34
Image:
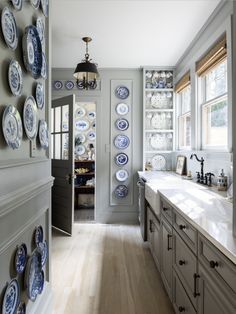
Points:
x=91, y=115
x=41, y=28
x=122, y=109
x=44, y=70
x=57, y=85
x=121, y=191
x=79, y=150
x=9, y=28
x=12, y=127
x=122, y=175
x=82, y=125
x=11, y=298
x=38, y=235
x=43, y=134
x=69, y=85
x=122, y=124
x=17, y=4
x=80, y=138
x=21, y=308
x=39, y=95
x=15, y=78
x=30, y=118
x=80, y=84
x=122, y=92
x=34, y=280
x=43, y=246
x=32, y=51
x=21, y=258
x=45, y=6
x=91, y=136
x=121, y=141
x=35, y=3
x=80, y=112
x=121, y=159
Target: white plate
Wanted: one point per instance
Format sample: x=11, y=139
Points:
x=80, y=150
x=82, y=125
x=91, y=115
x=80, y=112
x=39, y=95
x=122, y=175
x=158, y=162
x=30, y=118
x=43, y=134
x=122, y=109
x=157, y=141
x=80, y=138
x=15, y=78
x=91, y=136
x=9, y=28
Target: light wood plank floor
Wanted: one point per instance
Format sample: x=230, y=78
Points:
x=105, y=269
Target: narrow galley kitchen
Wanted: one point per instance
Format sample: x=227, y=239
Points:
x=142, y=139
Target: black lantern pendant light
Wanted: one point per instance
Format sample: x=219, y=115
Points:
x=86, y=72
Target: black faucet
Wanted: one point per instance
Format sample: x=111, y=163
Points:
x=201, y=178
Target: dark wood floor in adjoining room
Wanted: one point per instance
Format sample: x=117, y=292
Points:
x=105, y=269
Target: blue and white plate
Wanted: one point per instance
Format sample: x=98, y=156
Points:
x=69, y=85
x=41, y=28
x=32, y=51
x=80, y=112
x=15, y=78
x=94, y=125
x=121, y=159
x=9, y=28
x=91, y=115
x=43, y=246
x=43, y=134
x=11, y=298
x=121, y=141
x=39, y=95
x=122, y=124
x=122, y=92
x=45, y=6
x=91, y=136
x=38, y=235
x=80, y=138
x=57, y=85
x=21, y=258
x=40, y=278
x=122, y=109
x=122, y=175
x=17, y=4
x=44, y=70
x=21, y=308
x=79, y=150
x=121, y=191
x=80, y=85
x=82, y=125
x=35, y=3
x=30, y=118
x=12, y=127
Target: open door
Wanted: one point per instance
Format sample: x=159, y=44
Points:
x=63, y=163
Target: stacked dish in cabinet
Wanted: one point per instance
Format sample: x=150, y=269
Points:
x=158, y=118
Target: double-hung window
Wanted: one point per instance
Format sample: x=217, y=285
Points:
x=213, y=104
x=183, y=90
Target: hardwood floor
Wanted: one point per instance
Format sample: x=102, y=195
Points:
x=105, y=269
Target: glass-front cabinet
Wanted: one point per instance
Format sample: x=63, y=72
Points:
x=158, y=113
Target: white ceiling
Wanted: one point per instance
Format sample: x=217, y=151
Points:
x=126, y=33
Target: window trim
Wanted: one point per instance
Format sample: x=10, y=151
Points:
x=182, y=148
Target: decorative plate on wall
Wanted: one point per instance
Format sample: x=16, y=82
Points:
x=44, y=5
x=94, y=125
x=82, y=125
x=11, y=298
x=69, y=85
x=32, y=51
x=122, y=124
x=12, y=127
x=91, y=136
x=30, y=118
x=121, y=141
x=39, y=95
x=35, y=3
x=21, y=258
x=17, y=4
x=122, y=92
x=43, y=246
x=158, y=162
x=121, y=191
x=79, y=150
x=9, y=28
x=122, y=175
x=41, y=28
x=38, y=235
x=91, y=115
x=80, y=112
x=44, y=69
x=15, y=78
x=121, y=159
x=21, y=308
x=43, y=134
x=122, y=109
x=80, y=138
x=57, y=85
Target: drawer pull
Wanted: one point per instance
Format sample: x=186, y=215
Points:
x=182, y=227
x=150, y=226
x=181, y=309
x=213, y=264
x=165, y=209
x=195, y=293
x=168, y=242
x=181, y=262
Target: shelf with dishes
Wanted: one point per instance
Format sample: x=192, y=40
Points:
x=158, y=99
x=158, y=79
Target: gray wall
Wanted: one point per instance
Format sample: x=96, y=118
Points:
x=105, y=212
x=25, y=182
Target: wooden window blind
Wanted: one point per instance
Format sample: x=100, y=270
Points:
x=214, y=56
x=183, y=82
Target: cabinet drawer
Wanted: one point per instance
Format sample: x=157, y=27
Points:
x=186, y=231
x=166, y=210
x=181, y=302
x=217, y=263
x=185, y=264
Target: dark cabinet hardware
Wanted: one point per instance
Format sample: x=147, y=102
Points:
x=150, y=226
x=181, y=262
x=181, y=309
x=213, y=264
x=168, y=242
x=69, y=178
x=165, y=209
x=182, y=227
x=195, y=293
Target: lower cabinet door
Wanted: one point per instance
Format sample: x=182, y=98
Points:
x=157, y=243
x=181, y=301
x=166, y=259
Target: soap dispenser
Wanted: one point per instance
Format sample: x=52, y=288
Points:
x=222, y=181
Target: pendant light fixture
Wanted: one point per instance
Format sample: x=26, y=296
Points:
x=86, y=72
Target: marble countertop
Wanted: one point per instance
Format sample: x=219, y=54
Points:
x=207, y=211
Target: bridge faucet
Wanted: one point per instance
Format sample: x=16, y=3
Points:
x=202, y=166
